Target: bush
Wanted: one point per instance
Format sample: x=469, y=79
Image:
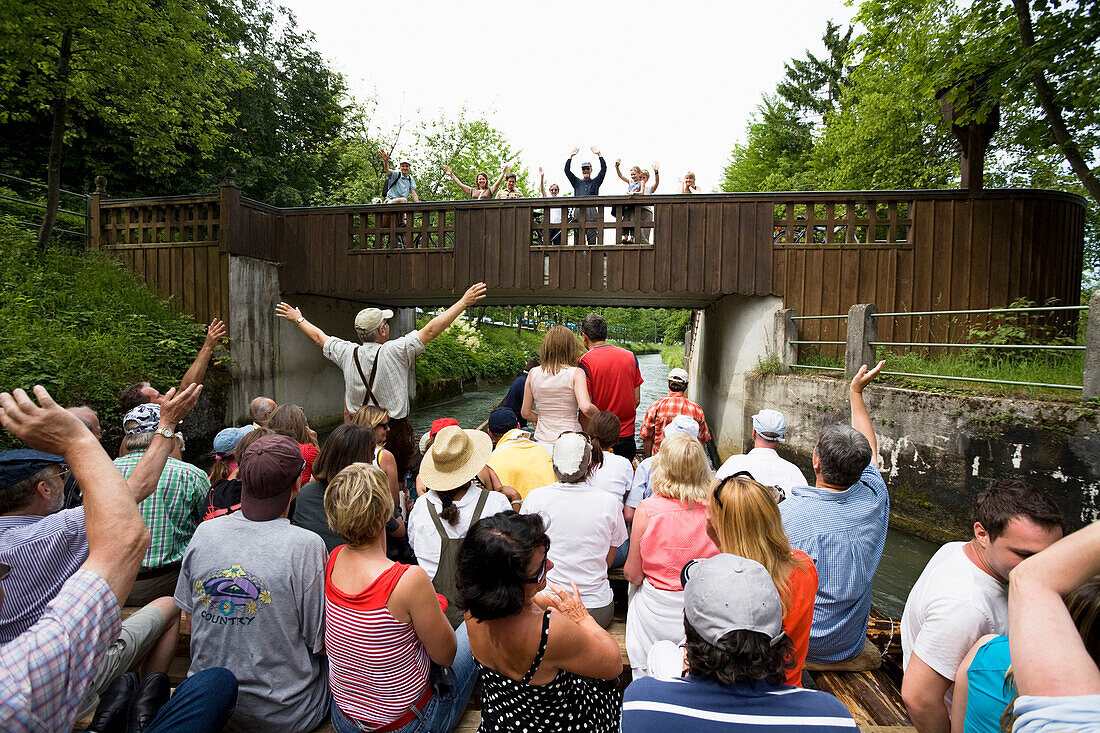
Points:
x=83, y=327
x=464, y=352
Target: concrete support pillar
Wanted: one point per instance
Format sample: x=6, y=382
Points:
x=1092, y=350
x=403, y=321
x=786, y=331
x=862, y=330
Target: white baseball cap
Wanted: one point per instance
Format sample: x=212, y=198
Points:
x=770, y=425
x=683, y=424
x=678, y=375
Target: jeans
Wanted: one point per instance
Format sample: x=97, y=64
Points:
x=441, y=714
x=202, y=703
x=622, y=551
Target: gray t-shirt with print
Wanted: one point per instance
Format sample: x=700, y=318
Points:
x=256, y=592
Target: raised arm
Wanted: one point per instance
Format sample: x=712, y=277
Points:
x=385, y=162
x=294, y=315
x=440, y=323
x=117, y=537
x=468, y=190
x=1048, y=656
x=542, y=183
x=619, y=173
x=656, y=178
x=194, y=375
x=495, y=186
x=861, y=421
x=569, y=170
x=175, y=406
x=603, y=166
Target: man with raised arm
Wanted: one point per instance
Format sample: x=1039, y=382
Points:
x=139, y=393
x=376, y=372
x=586, y=185
x=841, y=523
x=400, y=187
x=962, y=595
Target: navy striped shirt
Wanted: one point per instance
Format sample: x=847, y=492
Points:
x=43, y=553
x=702, y=706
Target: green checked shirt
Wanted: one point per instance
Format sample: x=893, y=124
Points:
x=173, y=511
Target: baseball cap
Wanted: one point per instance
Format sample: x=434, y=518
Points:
x=369, y=319
x=728, y=593
x=226, y=440
x=678, y=375
x=16, y=465
x=141, y=419
x=683, y=424
x=502, y=419
x=572, y=456
x=268, y=471
x=441, y=422
x=770, y=424
x=586, y=164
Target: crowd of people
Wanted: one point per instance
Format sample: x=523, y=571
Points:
x=374, y=581
x=399, y=186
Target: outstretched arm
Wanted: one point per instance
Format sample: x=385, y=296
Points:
x=619, y=173
x=469, y=191
x=495, y=186
x=656, y=178
x=175, y=406
x=440, y=323
x=194, y=375
x=1048, y=656
x=569, y=170
x=294, y=315
x=861, y=421
x=542, y=183
x=117, y=537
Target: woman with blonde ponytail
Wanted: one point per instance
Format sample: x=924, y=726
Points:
x=743, y=519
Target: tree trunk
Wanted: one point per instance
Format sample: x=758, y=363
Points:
x=57, y=137
x=1052, y=110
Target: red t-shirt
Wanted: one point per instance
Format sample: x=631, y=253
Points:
x=612, y=376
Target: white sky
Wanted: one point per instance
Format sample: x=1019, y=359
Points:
x=672, y=82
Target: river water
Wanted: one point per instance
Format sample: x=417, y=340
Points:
x=902, y=561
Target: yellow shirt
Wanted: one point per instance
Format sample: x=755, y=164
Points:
x=522, y=463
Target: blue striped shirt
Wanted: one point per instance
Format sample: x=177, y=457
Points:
x=844, y=532
x=702, y=706
x=43, y=553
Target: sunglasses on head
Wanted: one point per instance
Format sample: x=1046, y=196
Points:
x=541, y=574
x=776, y=492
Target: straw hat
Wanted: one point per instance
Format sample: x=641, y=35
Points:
x=455, y=457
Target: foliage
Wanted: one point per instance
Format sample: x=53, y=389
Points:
x=673, y=356
x=83, y=327
x=812, y=86
x=777, y=155
x=489, y=352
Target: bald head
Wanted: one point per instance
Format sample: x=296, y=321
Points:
x=87, y=416
x=261, y=409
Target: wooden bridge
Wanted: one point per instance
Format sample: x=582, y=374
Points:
x=820, y=252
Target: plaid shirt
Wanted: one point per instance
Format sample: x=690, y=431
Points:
x=173, y=511
x=45, y=671
x=662, y=412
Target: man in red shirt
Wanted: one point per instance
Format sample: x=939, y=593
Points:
x=614, y=380
x=661, y=413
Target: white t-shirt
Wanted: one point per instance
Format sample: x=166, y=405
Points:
x=422, y=532
x=614, y=476
x=952, y=605
x=766, y=467
x=583, y=524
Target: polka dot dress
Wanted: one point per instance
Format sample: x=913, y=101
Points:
x=569, y=703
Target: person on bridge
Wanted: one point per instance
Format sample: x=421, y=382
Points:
x=769, y=429
x=664, y=410
x=400, y=186
x=614, y=380
x=687, y=184
x=841, y=523
x=555, y=213
x=481, y=190
x=387, y=362
x=586, y=185
x=962, y=594
x=509, y=191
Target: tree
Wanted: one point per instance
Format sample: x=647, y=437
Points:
x=812, y=86
x=468, y=146
x=777, y=155
x=158, y=68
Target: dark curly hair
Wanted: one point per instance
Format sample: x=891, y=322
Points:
x=492, y=563
x=745, y=656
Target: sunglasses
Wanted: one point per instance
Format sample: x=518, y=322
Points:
x=385, y=425
x=777, y=493
x=63, y=473
x=541, y=574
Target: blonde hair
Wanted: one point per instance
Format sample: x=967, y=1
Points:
x=680, y=470
x=358, y=503
x=369, y=416
x=559, y=349
x=747, y=522
x=634, y=168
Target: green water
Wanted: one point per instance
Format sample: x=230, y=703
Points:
x=902, y=561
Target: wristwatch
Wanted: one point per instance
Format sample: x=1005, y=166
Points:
x=166, y=432
x=299, y=319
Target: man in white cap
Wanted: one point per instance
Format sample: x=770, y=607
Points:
x=661, y=413
x=736, y=655
x=769, y=429
x=376, y=372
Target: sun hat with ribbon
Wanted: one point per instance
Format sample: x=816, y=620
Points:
x=454, y=458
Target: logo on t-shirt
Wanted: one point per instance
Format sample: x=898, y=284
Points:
x=232, y=596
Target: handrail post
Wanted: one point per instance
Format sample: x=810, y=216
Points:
x=1091, y=384
x=94, y=231
x=862, y=330
x=786, y=331
x=229, y=203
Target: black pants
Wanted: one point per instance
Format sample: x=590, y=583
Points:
x=626, y=448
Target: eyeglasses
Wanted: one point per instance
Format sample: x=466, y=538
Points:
x=776, y=492
x=541, y=574
x=63, y=473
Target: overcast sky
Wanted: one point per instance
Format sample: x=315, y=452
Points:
x=672, y=81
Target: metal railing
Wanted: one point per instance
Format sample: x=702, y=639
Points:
x=25, y=204
x=862, y=344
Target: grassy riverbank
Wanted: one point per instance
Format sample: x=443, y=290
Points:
x=673, y=356
x=84, y=327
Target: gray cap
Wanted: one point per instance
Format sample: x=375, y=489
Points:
x=142, y=419
x=371, y=318
x=586, y=164
x=728, y=593
x=678, y=375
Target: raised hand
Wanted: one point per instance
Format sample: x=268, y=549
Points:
x=575, y=151
x=618, y=161
x=287, y=311
x=175, y=405
x=655, y=169
x=385, y=155
x=447, y=169
x=475, y=293
x=509, y=167
x=214, y=333
x=540, y=172
x=595, y=150
x=865, y=376
x=45, y=426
